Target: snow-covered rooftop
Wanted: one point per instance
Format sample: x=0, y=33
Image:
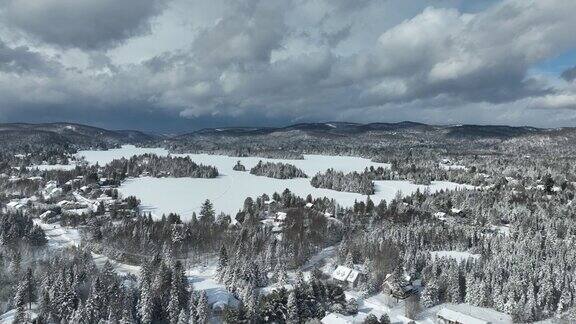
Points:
x=341, y=273
x=466, y=313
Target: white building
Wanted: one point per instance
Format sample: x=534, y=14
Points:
x=346, y=275
x=468, y=314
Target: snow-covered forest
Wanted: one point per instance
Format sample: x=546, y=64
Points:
x=73, y=249
x=277, y=170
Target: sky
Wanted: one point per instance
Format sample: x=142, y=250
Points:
x=181, y=65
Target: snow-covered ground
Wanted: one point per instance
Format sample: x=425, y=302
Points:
x=126, y=151
x=456, y=255
x=50, y=167
x=228, y=191
x=8, y=317
x=59, y=236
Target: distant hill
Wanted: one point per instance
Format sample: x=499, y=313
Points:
x=71, y=135
x=67, y=136
x=340, y=128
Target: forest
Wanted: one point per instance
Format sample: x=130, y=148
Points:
x=274, y=259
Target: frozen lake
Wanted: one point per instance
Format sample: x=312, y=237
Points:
x=228, y=191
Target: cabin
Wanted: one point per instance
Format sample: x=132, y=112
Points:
x=280, y=216
x=347, y=276
x=399, y=289
x=219, y=299
x=468, y=314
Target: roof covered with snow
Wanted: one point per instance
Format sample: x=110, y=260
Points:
x=466, y=313
x=341, y=273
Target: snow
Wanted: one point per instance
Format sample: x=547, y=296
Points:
x=8, y=317
x=455, y=316
x=316, y=259
x=457, y=255
x=334, y=318
x=341, y=273
x=202, y=279
x=59, y=236
x=50, y=167
x=120, y=268
x=228, y=191
x=452, y=167
x=466, y=313
x=126, y=151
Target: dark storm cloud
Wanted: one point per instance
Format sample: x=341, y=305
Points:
x=286, y=61
x=21, y=60
x=569, y=74
x=86, y=24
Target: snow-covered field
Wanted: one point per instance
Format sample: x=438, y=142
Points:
x=228, y=191
x=126, y=151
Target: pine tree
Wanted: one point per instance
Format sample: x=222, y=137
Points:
x=371, y=319
x=192, y=307
x=145, y=307
x=222, y=263
x=21, y=316
x=174, y=304
x=207, y=214
x=202, y=308
x=430, y=294
x=182, y=317
x=385, y=319
x=292, y=311
x=349, y=260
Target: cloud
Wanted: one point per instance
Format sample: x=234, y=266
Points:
x=569, y=74
x=85, y=24
x=21, y=60
x=284, y=61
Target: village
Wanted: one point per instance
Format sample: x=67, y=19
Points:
x=72, y=206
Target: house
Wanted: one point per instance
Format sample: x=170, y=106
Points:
x=347, y=276
x=280, y=216
x=468, y=314
x=455, y=211
x=309, y=205
x=440, y=215
x=15, y=205
x=219, y=299
x=399, y=288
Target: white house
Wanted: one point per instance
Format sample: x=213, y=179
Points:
x=468, y=314
x=345, y=275
x=281, y=216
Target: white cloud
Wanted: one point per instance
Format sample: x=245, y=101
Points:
x=292, y=59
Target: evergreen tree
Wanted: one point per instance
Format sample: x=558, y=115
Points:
x=385, y=319
x=182, y=317
x=293, y=313
x=145, y=306
x=222, y=262
x=174, y=304
x=430, y=294
x=207, y=214
x=202, y=310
